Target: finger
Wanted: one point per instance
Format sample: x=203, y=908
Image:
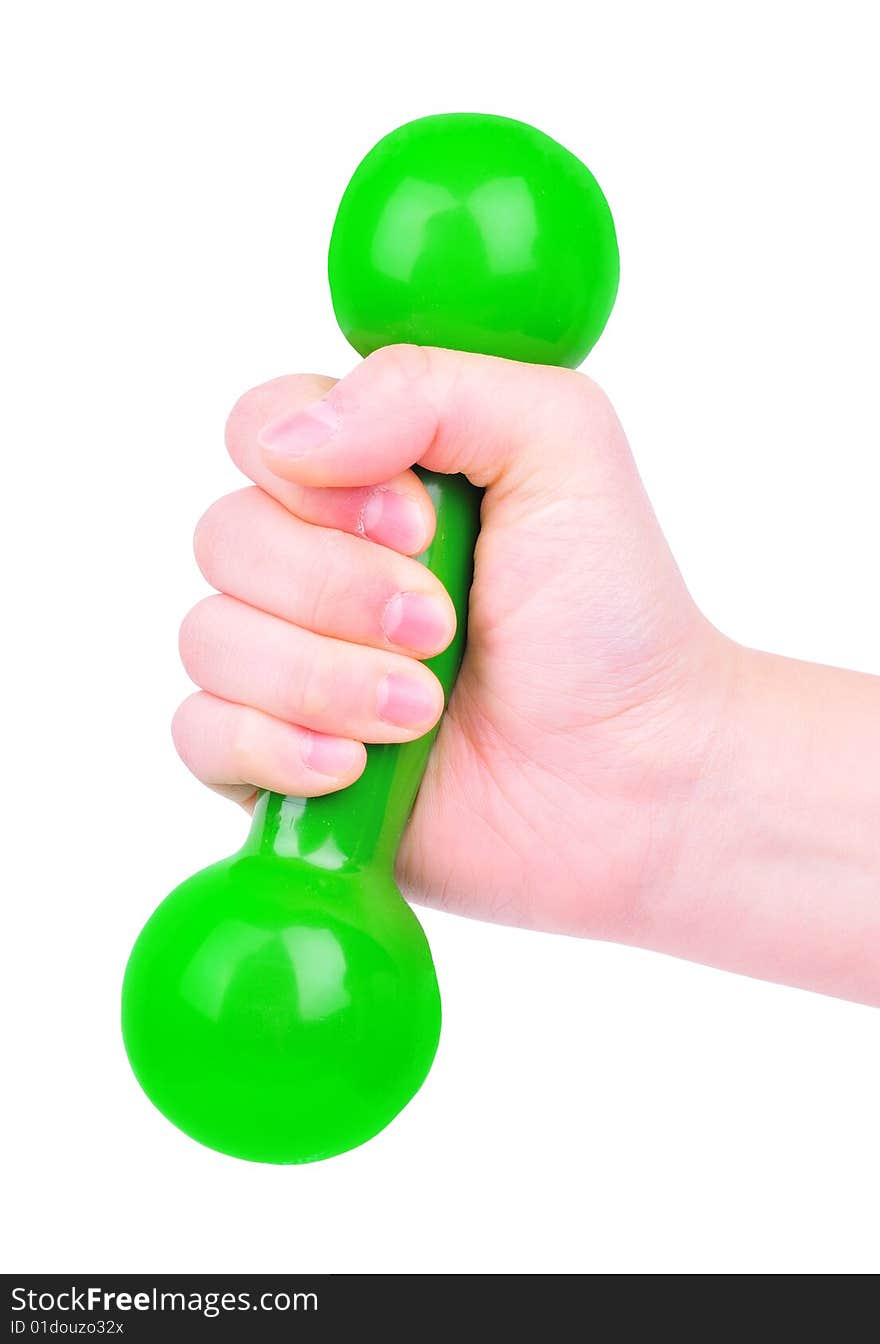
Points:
x=249, y=547
x=395, y=512
x=327, y=685
x=451, y=412
x=235, y=750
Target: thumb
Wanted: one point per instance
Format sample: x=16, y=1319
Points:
x=492, y=419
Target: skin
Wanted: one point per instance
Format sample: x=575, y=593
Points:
x=610, y=764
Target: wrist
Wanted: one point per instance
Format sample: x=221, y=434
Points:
x=774, y=869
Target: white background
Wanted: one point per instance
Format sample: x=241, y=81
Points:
x=171, y=174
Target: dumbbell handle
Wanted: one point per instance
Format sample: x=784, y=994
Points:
x=362, y=825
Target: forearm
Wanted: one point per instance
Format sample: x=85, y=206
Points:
x=777, y=870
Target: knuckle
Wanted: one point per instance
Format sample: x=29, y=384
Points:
x=205, y=538
x=245, y=748
x=402, y=363
x=193, y=631
x=319, y=598
x=181, y=728
x=311, y=692
x=214, y=534
x=577, y=407
x=588, y=396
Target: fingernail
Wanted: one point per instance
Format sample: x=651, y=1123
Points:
x=394, y=520
x=300, y=432
x=406, y=702
x=416, y=621
x=332, y=756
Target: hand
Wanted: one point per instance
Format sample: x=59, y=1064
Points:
x=591, y=682
x=589, y=776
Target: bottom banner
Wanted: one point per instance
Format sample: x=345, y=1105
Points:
x=256, y=1307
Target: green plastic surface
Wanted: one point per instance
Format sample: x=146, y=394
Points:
x=282, y=1005
x=474, y=233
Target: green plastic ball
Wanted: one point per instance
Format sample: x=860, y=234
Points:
x=278, y=1012
x=478, y=233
